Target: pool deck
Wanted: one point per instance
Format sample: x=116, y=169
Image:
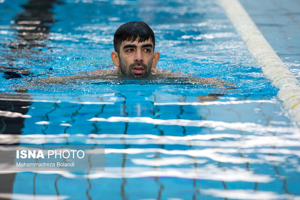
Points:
x=279, y=22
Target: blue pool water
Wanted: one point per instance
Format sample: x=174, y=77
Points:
x=162, y=139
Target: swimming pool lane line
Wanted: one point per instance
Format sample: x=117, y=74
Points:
x=272, y=66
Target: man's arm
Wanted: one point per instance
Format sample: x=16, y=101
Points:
x=156, y=71
x=81, y=75
x=211, y=81
x=192, y=79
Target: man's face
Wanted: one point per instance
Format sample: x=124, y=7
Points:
x=136, y=58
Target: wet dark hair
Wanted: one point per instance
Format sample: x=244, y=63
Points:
x=131, y=31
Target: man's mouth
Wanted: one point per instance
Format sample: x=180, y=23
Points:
x=138, y=70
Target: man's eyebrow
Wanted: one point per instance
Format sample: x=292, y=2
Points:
x=147, y=45
x=134, y=46
x=129, y=46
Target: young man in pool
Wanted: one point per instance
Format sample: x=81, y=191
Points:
x=134, y=57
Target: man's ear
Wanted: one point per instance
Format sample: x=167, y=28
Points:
x=155, y=59
x=115, y=58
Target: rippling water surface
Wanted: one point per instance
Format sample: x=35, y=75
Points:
x=164, y=138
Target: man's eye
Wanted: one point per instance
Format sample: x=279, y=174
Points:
x=129, y=50
x=147, y=50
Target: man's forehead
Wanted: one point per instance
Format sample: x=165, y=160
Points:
x=136, y=42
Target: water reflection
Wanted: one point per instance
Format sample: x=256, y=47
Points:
x=13, y=112
x=34, y=24
x=33, y=27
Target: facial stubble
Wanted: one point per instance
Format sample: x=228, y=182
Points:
x=127, y=71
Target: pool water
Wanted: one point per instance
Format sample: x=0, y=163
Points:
x=164, y=138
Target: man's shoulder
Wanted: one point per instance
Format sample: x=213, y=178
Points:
x=105, y=70
x=165, y=73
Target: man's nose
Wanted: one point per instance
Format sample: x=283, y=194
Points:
x=138, y=56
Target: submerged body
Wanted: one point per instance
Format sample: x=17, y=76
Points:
x=156, y=73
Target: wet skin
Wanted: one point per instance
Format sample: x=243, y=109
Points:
x=135, y=59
